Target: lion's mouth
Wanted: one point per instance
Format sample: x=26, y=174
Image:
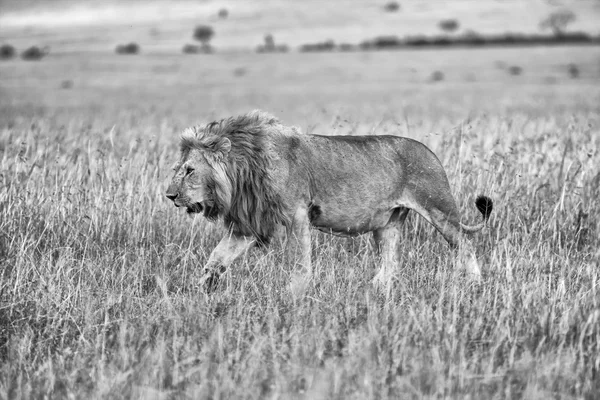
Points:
x=195, y=208
x=207, y=208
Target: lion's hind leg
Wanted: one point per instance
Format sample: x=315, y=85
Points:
x=386, y=246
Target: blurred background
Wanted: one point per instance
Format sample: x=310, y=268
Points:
x=204, y=59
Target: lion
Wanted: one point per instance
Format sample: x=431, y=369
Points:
x=260, y=177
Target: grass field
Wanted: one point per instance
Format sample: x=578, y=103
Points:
x=98, y=289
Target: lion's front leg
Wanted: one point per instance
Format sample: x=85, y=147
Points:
x=227, y=251
x=298, y=250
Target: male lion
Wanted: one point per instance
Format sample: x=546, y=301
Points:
x=258, y=176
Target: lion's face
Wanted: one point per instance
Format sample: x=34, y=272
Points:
x=193, y=185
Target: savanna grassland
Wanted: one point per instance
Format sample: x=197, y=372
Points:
x=98, y=271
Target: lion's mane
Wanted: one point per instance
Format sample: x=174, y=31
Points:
x=244, y=193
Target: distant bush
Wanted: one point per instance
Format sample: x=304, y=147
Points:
x=448, y=25
x=66, y=84
x=328, y=45
x=191, y=49
x=573, y=71
x=223, y=13
x=417, y=41
x=7, y=52
x=437, y=76
x=239, y=71
x=515, y=70
x=129, y=48
x=33, y=53
x=203, y=34
x=384, y=42
x=441, y=41
x=392, y=6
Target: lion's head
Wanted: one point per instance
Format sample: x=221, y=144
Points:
x=199, y=183
x=223, y=172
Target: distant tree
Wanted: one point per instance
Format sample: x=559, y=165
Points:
x=269, y=42
x=448, y=25
x=392, y=6
x=7, y=52
x=223, y=13
x=558, y=21
x=203, y=34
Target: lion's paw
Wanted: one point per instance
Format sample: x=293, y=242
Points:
x=382, y=281
x=209, y=281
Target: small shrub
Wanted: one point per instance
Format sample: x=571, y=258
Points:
x=448, y=25
x=154, y=32
x=66, y=84
x=392, y=6
x=203, y=34
x=7, y=52
x=437, y=76
x=33, y=53
x=223, y=13
x=129, y=48
x=191, y=49
x=573, y=71
x=515, y=70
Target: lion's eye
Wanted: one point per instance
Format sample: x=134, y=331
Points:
x=188, y=170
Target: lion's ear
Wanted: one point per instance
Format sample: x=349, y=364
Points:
x=225, y=145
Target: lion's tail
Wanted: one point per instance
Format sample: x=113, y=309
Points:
x=485, y=205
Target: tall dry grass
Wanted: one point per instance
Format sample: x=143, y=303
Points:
x=99, y=294
x=98, y=273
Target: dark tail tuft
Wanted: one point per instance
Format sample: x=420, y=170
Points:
x=485, y=205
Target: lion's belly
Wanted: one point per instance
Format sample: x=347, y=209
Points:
x=355, y=222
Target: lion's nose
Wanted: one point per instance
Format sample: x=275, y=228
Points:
x=171, y=196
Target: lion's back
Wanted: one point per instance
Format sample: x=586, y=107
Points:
x=350, y=178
